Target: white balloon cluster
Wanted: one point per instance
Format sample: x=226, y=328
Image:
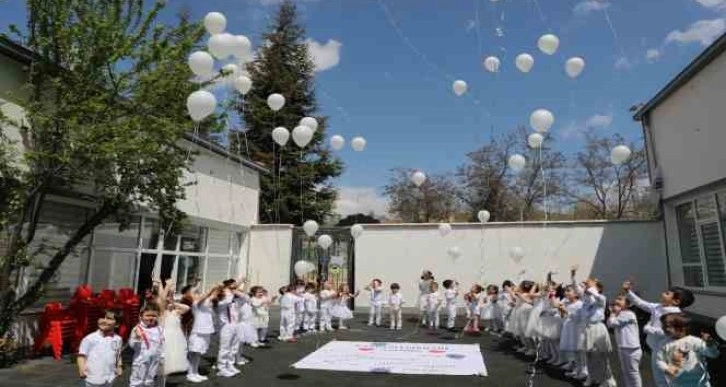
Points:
x=620, y=154
x=418, y=178
x=302, y=268
x=444, y=229
x=460, y=87
x=517, y=162
x=310, y=227
x=492, y=63
x=356, y=231
x=358, y=144
x=484, y=216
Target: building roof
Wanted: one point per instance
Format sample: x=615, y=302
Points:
x=26, y=56
x=704, y=59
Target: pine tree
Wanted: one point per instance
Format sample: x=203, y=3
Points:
x=300, y=187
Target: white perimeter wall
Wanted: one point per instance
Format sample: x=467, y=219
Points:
x=268, y=260
x=611, y=251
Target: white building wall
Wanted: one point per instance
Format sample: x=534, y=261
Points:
x=268, y=259
x=611, y=251
x=688, y=133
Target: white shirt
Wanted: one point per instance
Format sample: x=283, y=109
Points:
x=148, y=347
x=102, y=354
x=311, y=302
x=653, y=329
x=450, y=296
x=299, y=300
x=227, y=310
x=203, y=318
x=377, y=296
x=433, y=302
x=287, y=302
x=692, y=371
x=259, y=307
x=395, y=300
x=326, y=298
x=625, y=326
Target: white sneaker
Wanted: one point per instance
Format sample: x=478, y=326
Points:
x=202, y=377
x=226, y=374
x=255, y=345
x=242, y=362
x=370, y=323
x=609, y=383
x=588, y=382
x=234, y=371
x=194, y=378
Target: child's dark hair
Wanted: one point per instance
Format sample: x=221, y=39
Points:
x=447, y=283
x=478, y=288
x=677, y=321
x=572, y=289
x=507, y=283
x=254, y=290
x=493, y=289
x=684, y=297
x=186, y=289
x=625, y=300
x=299, y=282
x=283, y=290
x=150, y=307
x=427, y=274
x=310, y=286
x=526, y=285
x=113, y=314
x=559, y=291
x=377, y=280
x=228, y=282
x=395, y=286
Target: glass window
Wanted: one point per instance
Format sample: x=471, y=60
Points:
x=189, y=269
x=690, y=252
x=109, y=235
x=193, y=239
x=150, y=233
x=693, y=276
x=218, y=241
x=706, y=207
x=713, y=252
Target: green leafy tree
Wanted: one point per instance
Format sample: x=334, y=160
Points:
x=357, y=219
x=105, y=115
x=300, y=186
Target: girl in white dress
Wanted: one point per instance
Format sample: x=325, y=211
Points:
x=473, y=299
x=524, y=307
x=246, y=330
x=571, y=328
x=395, y=300
x=489, y=312
x=433, y=306
x=201, y=334
x=299, y=306
x=327, y=298
x=311, y=308
x=505, y=301
x=451, y=292
x=551, y=328
x=228, y=316
x=175, y=342
x=424, y=289
x=260, y=304
x=340, y=309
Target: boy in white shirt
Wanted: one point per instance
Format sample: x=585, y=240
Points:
x=326, y=304
x=311, y=308
x=395, y=300
x=450, y=293
x=147, y=341
x=287, y=313
x=625, y=324
x=201, y=334
x=433, y=305
x=99, y=356
x=376, y=302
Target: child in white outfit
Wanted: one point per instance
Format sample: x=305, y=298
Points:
x=596, y=338
x=450, y=293
x=625, y=324
x=682, y=357
x=227, y=310
x=201, y=335
x=99, y=356
x=341, y=309
x=311, y=308
x=433, y=306
x=287, y=313
x=395, y=300
x=571, y=328
x=327, y=296
x=375, y=314
x=261, y=312
x=147, y=341
x=299, y=306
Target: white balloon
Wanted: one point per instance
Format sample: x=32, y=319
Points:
x=460, y=87
x=444, y=229
x=310, y=122
x=220, y=45
x=301, y=268
x=280, y=135
x=418, y=178
x=201, y=104
x=310, y=227
x=356, y=231
x=302, y=135
x=721, y=327
x=325, y=241
x=483, y=216
x=548, y=44
x=337, y=142
x=310, y=266
x=358, y=144
x=574, y=67
x=517, y=162
x=241, y=46
x=535, y=140
x=454, y=252
x=243, y=84
x=201, y=63
x=215, y=23
x=230, y=70
x=492, y=63
x=524, y=62
x=541, y=120
x=517, y=254
x=620, y=154
x=275, y=101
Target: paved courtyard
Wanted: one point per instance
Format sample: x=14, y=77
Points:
x=272, y=366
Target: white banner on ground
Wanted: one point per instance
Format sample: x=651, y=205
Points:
x=397, y=358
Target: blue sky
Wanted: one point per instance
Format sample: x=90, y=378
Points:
x=389, y=70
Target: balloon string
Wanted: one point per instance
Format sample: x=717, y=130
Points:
x=279, y=182
x=302, y=208
x=541, y=15
x=616, y=38
x=477, y=23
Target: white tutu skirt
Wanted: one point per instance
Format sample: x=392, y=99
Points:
x=570, y=335
x=595, y=338
x=261, y=321
x=247, y=332
x=487, y=311
x=534, y=322
x=510, y=325
x=342, y=312
x=422, y=301
x=522, y=318
x=550, y=327
x=175, y=345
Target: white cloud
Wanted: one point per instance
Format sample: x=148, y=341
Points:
x=702, y=31
x=360, y=200
x=599, y=121
x=587, y=7
x=652, y=55
x=712, y=3
x=325, y=56
x=623, y=63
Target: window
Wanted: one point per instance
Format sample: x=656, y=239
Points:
x=701, y=236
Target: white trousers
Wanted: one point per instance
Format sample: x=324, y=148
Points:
x=395, y=315
x=375, y=315
x=326, y=320
x=450, y=316
x=143, y=374
x=629, y=365
x=310, y=320
x=229, y=344
x=434, y=319
x=287, y=324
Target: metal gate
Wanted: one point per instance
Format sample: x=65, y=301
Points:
x=336, y=264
